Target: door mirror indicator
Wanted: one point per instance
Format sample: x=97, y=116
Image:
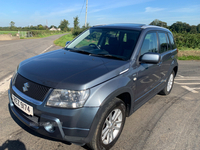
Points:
x=67, y=43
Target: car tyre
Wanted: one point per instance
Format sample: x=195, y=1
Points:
x=110, y=125
x=169, y=84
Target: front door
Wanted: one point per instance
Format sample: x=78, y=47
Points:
x=148, y=74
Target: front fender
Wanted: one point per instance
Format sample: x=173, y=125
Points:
x=106, y=91
x=102, y=94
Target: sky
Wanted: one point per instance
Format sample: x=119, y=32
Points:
x=51, y=12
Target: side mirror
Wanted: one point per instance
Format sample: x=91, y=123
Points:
x=67, y=43
x=150, y=58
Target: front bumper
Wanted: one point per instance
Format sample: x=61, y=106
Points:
x=72, y=125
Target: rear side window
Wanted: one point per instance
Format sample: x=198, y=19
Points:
x=172, y=41
x=150, y=43
x=163, y=42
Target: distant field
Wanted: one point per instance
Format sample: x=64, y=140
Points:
x=35, y=33
x=7, y=32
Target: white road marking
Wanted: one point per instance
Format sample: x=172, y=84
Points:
x=46, y=49
x=188, y=79
x=163, y=73
x=181, y=76
x=187, y=83
x=190, y=89
x=4, y=84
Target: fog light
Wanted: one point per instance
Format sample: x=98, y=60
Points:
x=49, y=127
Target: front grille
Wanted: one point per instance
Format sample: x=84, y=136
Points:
x=34, y=118
x=35, y=91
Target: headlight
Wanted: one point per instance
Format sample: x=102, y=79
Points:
x=67, y=98
x=14, y=76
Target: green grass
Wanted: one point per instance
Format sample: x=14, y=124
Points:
x=36, y=33
x=189, y=57
x=7, y=32
x=47, y=34
x=187, y=49
x=62, y=40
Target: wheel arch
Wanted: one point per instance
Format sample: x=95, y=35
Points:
x=125, y=95
x=175, y=70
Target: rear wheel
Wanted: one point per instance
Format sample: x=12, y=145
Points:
x=110, y=125
x=169, y=85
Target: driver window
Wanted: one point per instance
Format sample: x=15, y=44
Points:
x=150, y=43
x=90, y=39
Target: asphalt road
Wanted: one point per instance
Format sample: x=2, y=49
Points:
x=164, y=123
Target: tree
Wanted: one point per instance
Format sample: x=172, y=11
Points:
x=198, y=28
x=193, y=29
x=180, y=27
x=12, y=25
x=52, y=27
x=87, y=26
x=64, y=25
x=40, y=27
x=76, y=23
x=157, y=22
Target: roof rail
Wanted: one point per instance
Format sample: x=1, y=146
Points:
x=152, y=26
x=99, y=25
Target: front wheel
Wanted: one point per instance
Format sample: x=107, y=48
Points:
x=110, y=126
x=169, y=85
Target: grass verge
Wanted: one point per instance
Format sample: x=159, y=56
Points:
x=189, y=54
x=45, y=35
x=190, y=57
x=62, y=40
x=36, y=33
x=9, y=32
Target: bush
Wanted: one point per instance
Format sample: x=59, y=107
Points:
x=187, y=40
x=38, y=33
x=76, y=32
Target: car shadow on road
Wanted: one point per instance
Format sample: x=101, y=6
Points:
x=13, y=145
x=32, y=131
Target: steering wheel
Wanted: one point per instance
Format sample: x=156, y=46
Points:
x=93, y=45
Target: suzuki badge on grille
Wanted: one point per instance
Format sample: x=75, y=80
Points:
x=25, y=87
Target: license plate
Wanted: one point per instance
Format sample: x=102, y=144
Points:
x=23, y=106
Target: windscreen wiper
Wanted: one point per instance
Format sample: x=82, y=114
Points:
x=108, y=56
x=79, y=51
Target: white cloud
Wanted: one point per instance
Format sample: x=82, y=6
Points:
x=151, y=9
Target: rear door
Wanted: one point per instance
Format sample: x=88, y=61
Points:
x=166, y=54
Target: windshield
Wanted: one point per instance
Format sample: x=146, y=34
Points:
x=112, y=43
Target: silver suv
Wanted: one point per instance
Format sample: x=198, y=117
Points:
x=84, y=92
